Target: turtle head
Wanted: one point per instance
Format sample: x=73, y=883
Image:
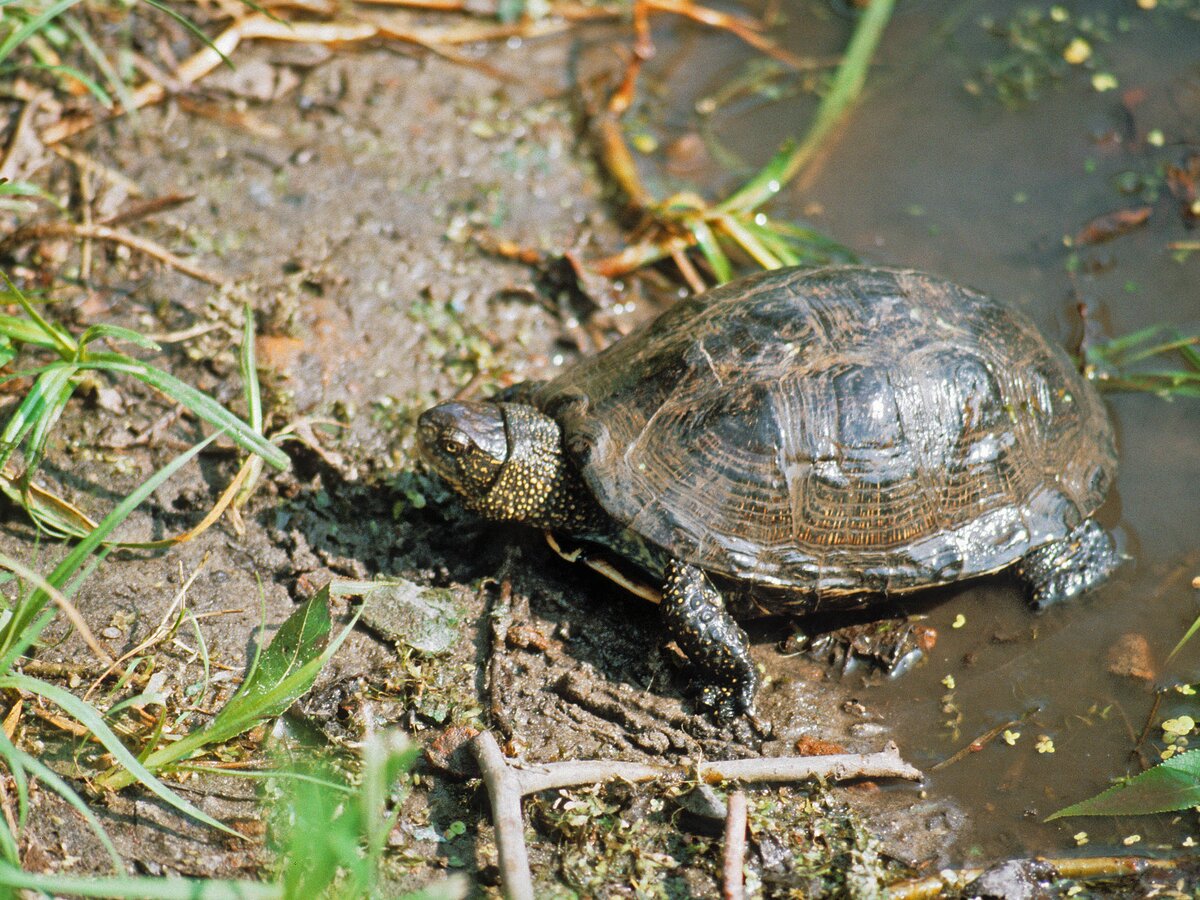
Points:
x=506, y=461
x=466, y=444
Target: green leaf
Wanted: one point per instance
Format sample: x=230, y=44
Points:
x=1169, y=786
x=23, y=331
x=285, y=671
x=300, y=640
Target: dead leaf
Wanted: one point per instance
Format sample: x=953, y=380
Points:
x=1184, y=184
x=1113, y=225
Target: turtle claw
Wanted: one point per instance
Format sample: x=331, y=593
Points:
x=735, y=709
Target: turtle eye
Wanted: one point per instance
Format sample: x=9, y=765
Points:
x=453, y=446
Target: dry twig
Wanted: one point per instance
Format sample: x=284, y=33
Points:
x=1088, y=867
x=42, y=230
x=735, y=847
x=506, y=785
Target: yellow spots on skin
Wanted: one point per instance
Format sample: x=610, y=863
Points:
x=536, y=484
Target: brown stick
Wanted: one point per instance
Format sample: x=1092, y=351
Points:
x=504, y=792
x=507, y=785
x=1088, y=867
x=839, y=767
x=583, y=771
x=42, y=230
x=735, y=847
x=262, y=27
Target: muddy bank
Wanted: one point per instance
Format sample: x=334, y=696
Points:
x=344, y=210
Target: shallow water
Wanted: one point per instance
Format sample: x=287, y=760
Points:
x=927, y=175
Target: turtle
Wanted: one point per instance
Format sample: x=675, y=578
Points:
x=803, y=439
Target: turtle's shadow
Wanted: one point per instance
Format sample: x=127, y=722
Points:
x=622, y=637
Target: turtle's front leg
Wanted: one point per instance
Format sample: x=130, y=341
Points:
x=696, y=619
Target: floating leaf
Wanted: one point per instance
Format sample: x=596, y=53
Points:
x=1169, y=786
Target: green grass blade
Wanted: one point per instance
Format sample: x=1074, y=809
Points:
x=825, y=248
x=204, y=406
x=38, y=405
x=248, y=361
x=1188, y=635
x=1113, y=347
x=1190, y=351
x=87, y=716
x=39, y=435
x=93, y=88
x=738, y=232
x=92, y=49
x=61, y=341
x=711, y=248
x=22, y=331
x=249, y=366
x=26, y=638
x=192, y=27
x=117, y=333
x=33, y=26
x=17, y=757
x=131, y=886
x=1176, y=343
x=764, y=184
x=843, y=92
x=774, y=242
x=13, y=631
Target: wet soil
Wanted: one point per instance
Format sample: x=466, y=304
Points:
x=343, y=212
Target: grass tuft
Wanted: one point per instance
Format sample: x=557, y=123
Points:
x=1124, y=363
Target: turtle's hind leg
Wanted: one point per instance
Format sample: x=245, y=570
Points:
x=1063, y=569
x=696, y=619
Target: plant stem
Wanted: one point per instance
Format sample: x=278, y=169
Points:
x=846, y=87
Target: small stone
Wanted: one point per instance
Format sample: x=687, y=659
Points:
x=1130, y=657
x=1018, y=879
x=806, y=745
x=450, y=751
x=426, y=619
x=704, y=810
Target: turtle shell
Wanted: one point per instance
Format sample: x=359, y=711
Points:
x=838, y=431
